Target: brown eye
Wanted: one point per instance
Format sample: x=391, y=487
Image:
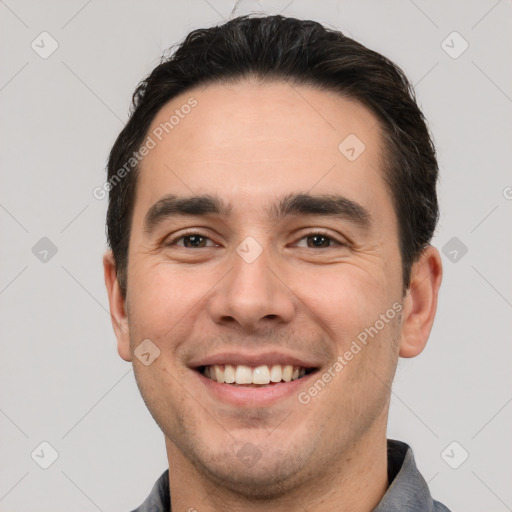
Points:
x=318, y=240
x=192, y=241
x=315, y=241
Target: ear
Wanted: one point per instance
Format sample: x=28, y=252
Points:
x=420, y=302
x=117, y=307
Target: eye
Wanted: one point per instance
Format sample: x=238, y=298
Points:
x=318, y=241
x=192, y=241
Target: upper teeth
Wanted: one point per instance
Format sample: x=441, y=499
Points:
x=241, y=374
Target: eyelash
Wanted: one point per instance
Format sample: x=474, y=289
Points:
x=306, y=235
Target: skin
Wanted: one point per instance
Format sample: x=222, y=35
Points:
x=251, y=143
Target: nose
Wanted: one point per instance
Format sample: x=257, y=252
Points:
x=252, y=295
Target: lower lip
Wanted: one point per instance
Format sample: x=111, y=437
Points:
x=254, y=396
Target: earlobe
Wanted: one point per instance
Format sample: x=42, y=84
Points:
x=117, y=306
x=420, y=302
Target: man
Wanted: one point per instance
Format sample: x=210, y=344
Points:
x=272, y=201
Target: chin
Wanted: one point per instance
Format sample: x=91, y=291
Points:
x=269, y=478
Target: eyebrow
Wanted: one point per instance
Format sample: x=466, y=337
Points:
x=172, y=206
x=330, y=205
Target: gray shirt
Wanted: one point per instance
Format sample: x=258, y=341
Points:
x=408, y=491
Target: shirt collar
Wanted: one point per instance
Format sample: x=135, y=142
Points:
x=408, y=491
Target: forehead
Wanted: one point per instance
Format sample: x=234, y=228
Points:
x=254, y=140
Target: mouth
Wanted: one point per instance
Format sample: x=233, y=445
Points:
x=240, y=375
x=254, y=380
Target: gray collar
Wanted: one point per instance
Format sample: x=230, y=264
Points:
x=408, y=491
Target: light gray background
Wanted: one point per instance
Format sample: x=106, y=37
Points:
x=61, y=380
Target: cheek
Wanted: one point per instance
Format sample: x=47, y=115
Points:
x=358, y=313
x=151, y=380
x=163, y=300
x=346, y=298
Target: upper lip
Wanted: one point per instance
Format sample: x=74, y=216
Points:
x=251, y=359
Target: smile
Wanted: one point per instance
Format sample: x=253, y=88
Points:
x=262, y=375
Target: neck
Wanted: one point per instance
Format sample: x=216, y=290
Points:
x=355, y=481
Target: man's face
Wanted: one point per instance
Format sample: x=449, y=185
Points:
x=254, y=288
